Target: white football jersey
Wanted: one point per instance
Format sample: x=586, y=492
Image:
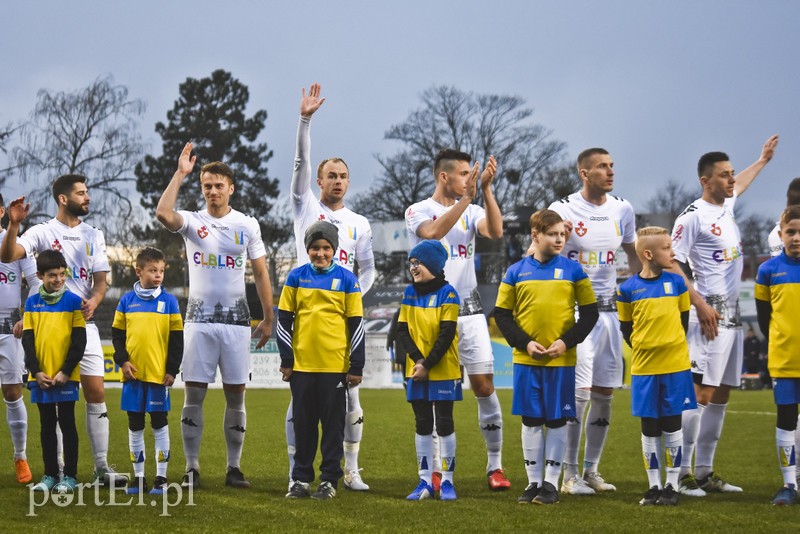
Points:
x=707, y=237
x=597, y=234
x=11, y=288
x=217, y=250
x=459, y=241
x=83, y=246
x=774, y=241
x=355, y=234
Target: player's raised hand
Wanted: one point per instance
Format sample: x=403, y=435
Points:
x=311, y=102
x=472, y=181
x=768, y=150
x=18, y=210
x=186, y=160
x=488, y=174
x=567, y=230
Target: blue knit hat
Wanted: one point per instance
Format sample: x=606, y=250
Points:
x=431, y=254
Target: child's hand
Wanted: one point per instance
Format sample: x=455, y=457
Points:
x=287, y=373
x=60, y=379
x=535, y=350
x=353, y=380
x=168, y=380
x=419, y=372
x=556, y=349
x=129, y=371
x=43, y=380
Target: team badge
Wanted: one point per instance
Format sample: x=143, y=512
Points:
x=161, y=306
x=716, y=230
x=321, y=217
x=581, y=229
x=202, y=232
x=558, y=274
x=678, y=233
x=668, y=288
x=57, y=246
x=335, y=284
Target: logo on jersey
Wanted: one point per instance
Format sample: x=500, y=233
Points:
x=352, y=232
x=432, y=301
x=593, y=258
x=90, y=249
x=79, y=273
x=668, y=288
x=464, y=222
x=558, y=274
x=716, y=230
x=221, y=261
x=678, y=234
x=726, y=255
x=238, y=238
x=335, y=283
x=581, y=229
x=7, y=278
x=161, y=306
x=345, y=258
x=617, y=228
x=57, y=246
x=202, y=232
x=321, y=217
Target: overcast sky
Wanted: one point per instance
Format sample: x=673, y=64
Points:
x=656, y=83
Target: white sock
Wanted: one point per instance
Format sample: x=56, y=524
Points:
x=690, y=424
x=353, y=429
x=17, y=418
x=708, y=437
x=673, y=456
x=784, y=439
x=235, y=424
x=424, y=446
x=650, y=446
x=574, y=430
x=59, y=447
x=192, y=425
x=448, y=448
x=162, y=450
x=597, y=421
x=97, y=428
x=533, y=453
x=290, y=440
x=136, y=445
x=490, y=418
x=555, y=441
x=436, y=464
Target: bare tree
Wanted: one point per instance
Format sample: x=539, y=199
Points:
x=481, y=125
x=755, y=229
x=92, y=131
x=671, y=199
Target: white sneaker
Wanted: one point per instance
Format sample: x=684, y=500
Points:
x=596, y=482
x=713, y=483
x=352, y=481
x=688, y=486
x=575, y=485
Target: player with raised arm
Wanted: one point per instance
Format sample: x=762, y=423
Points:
x=450, y=216
x=600, y=223
x=12, y=363
x=219, y=240
x=355, y=248
x=708, y=248
x=84, y=248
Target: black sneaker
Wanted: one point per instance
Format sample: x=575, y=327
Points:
x=191, y=479
x=299, y=490
x=548, y=494
x=136, y=486
x=669, y=497
x=324, y=492
x=235, y=479
x=530, y=493
x=159, y=486
x=651, y=496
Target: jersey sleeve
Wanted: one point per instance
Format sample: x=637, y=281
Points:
x=624, y=304
x=415, y=217
x=450, y=305
x=683, y=294
x=301, y=176
x=186, y=226
x=33, y=240
x=175, y=320
x=476, y=215
x=684, y=234
x=100, y=258
x=584, y=294
x=774, y=241
x=353, y=303
x=288, y=301
x=507, y=292
x=628, y=223
x=28, y=267
x=119, y=315
x=255, y=248
x=762, y=289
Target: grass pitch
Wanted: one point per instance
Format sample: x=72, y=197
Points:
x=746, y=457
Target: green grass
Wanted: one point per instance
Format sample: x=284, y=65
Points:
x=746, y=457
